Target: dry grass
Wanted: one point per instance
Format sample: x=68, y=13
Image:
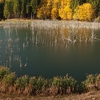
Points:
x=86, y=96
x=85, y=24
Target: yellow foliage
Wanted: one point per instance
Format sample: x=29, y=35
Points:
x=50, y=9
x=42, y=3
x=54, y=13
x=65, y=13
x=65, y=3
x=43, y=12
x=61, y=12
x=40, y=13
x=56, y=4
x=1, y=1
x=84, y=12
x=49, y=3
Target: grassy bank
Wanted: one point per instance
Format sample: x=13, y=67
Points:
x=38, y=86
x=49, y=23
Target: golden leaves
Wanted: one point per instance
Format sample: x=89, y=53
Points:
x=54, y=13
x=0, y=0
x=62, y=9
x=84, y=12
x=65, y=13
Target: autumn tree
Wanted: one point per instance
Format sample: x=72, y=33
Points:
x=84, y=12
x=55, y=9
x=44, y=9
x=49, y=7
x=95, y=4
x=66, y=13
x=54, y=13
x=40, y=10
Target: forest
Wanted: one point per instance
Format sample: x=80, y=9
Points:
x=83, y=10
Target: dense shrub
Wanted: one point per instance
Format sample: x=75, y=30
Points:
x=4, y=71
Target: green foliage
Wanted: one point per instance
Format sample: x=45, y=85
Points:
x=57, y=85
x=8, y=8
x=23, y=7
x=16, y=6
x=4, y=71
x=22, y=82
x=64, y=83
x=34, y=4
x=48, y=9
x=9, y=79
x=74, y=4
x=92, y=82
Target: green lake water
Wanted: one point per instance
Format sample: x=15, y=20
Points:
x=49, y=53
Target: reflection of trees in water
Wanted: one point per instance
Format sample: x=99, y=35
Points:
x=11, y=48
x=60, y=36
x=15, y=43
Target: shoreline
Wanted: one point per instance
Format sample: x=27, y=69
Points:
x=50, y=23
x=57, y=88
x=93, y=95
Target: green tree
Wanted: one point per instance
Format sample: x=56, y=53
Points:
x=16, y=8
x=8, y=9
x=23, y=8
x=74, y=4
x=1, y=8
x=34, y=4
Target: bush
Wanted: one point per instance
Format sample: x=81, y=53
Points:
x=64, y=84
x=9, y=79
x=22, y=82
x=4, y=71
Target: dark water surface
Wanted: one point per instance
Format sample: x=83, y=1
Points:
x=46, y=53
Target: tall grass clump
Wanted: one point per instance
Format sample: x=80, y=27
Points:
x=3, y=71
x=91, y=83
x=63, y=85
x=7, y=79
x=21, y=85
x=25, y=85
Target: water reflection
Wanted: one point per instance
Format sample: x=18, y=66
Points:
x=25, y=47
x=61, y=34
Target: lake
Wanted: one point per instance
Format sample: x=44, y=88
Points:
x=50, y=51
